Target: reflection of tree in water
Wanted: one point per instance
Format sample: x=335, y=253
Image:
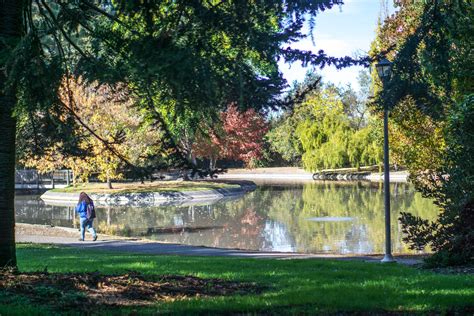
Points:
x=362, y=202
x=250, y=223
x=273, y=217
x=230, y=224
x=240, y=231
x=31, y=209
x=238, y=224
x=277, y=237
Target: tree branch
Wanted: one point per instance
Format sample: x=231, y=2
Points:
x=90, y=130
x=107, y=15
x=66, y=36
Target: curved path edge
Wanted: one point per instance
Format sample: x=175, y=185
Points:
x=68, y=237
x=149, y=198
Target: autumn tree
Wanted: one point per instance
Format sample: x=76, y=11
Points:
x=239, y=136
x=113, y=134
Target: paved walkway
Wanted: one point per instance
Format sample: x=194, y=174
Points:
x=69, y=237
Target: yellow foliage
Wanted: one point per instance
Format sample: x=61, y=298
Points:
x=108, y=112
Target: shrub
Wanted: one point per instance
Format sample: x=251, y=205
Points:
x=451, y=236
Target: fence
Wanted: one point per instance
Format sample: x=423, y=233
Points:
x=31, y=179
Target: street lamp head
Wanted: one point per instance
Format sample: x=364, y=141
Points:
x=384, y=68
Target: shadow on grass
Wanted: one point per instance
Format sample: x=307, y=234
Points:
x=87, y=291
x=301, y=286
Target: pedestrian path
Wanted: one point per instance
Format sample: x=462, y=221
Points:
x=41, y=234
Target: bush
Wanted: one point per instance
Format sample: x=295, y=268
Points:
x=452, y=187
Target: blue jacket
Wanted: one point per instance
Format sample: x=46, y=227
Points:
x=81, y=209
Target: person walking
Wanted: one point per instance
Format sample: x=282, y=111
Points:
x=86, y=210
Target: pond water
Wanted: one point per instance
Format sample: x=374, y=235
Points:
x=308, y=217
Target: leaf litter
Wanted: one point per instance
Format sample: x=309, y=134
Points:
x=76, y=290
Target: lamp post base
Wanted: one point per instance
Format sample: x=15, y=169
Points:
x=388, y=258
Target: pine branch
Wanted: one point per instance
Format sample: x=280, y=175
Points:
x=63, y=32
x=107, y=15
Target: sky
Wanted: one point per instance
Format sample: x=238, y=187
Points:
x=344, y=30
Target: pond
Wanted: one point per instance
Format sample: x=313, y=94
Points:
x=308, y=217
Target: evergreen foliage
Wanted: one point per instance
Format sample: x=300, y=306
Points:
x=194, y=56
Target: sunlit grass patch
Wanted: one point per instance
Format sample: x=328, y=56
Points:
x=292, y=286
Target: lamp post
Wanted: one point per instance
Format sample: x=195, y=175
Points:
x=384, y=68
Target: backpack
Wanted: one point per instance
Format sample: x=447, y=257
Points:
x=90, y=211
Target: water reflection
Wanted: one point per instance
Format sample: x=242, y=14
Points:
x=304, y=217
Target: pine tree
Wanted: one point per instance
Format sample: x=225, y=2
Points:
x=197, y=54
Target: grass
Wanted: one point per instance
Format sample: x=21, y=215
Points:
x=306, y=286
x=137, y=187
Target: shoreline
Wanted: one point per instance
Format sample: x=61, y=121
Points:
x=295, y=173
x=67, y=236
x=150, y=198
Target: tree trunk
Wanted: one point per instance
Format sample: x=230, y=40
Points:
x=109, y=182
x=109, y=221
x=11, y=27
x=7, y=181
x=212, y=163
x=185, y=173
x=191, y=159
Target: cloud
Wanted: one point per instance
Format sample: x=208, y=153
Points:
x=344, y=31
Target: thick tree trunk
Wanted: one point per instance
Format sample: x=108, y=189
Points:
x=10, y=30
x=7, y=181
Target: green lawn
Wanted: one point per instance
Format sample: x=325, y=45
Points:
x=292, y=286
x=137, y=187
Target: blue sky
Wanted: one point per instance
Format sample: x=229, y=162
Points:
x=342, y=31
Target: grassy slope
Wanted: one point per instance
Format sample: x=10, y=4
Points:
x=136, y=187
x=305, y=286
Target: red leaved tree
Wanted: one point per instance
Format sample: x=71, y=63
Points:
x=238, y=137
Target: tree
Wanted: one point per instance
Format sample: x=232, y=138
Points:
x=282, y=136
x=240, y=137
x=451, y=235
x=111, y=117
x=363, y=147
x=11, y=29
x=414, y=135
x=428, y=92
x=417, y=140
x=185, y=127
x=330, y=128
x=198, y=54
x=323, y=133
x=283, y=140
